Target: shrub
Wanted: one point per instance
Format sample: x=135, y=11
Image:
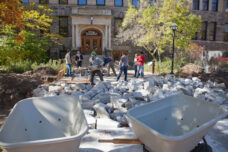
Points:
x=165, y=66
x=18, y=67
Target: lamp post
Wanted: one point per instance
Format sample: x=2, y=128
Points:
x=174, y=28
x=91, y=19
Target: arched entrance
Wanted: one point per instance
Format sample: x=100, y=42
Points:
x=91, y=40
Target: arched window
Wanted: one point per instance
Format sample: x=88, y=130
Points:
x=118, y=3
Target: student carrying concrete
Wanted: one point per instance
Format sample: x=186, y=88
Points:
x=95, y=66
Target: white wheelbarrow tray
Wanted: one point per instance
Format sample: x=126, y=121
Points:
x=46, y=124
x=174, y=124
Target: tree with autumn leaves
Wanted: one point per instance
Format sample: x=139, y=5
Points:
x=148, y=26
x=25, y=32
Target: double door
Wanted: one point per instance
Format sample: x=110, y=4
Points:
x=91, y=43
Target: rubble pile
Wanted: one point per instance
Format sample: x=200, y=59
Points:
x=111, y=99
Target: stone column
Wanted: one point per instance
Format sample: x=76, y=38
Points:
x=106, y=36
x=109, y=37
x=210, y=5
x=201, y=5
x=77, y=41
x=73, y=36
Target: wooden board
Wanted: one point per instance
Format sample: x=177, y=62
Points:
x=121, y=141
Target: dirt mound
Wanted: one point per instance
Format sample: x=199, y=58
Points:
x=45, y=71
x=191, y=68
x=42, y=71
x=14, y=87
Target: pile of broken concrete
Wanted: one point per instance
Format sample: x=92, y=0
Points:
x=111, y=99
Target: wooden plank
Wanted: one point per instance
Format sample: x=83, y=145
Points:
x=77, y=81
x=121, y=141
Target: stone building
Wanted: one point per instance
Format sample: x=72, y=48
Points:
x=92, y=24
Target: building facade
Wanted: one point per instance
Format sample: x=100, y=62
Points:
x=88, y=25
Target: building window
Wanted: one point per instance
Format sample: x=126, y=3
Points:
x=135, y=3
x=25, y=1
x=205, y=5
x=212, y=31
x=63, y=26
x=82, y=2
x=226, y=5
x=118, y=3
x=43, y=1
x=118, y=23
x=226, y=32
x=196, y=4
x=151, y=2
x=63, y=1
x=101, y=2
x=195, y=36
x=204, y=31
x=215, y=5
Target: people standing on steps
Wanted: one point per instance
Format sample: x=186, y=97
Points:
x=110, y=63
x=140, y=64
x=96, y=64
x=78, y=59
x=123, y=66
x=135, y=64
x=68, y=62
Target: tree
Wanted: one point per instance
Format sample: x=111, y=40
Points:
x=11, y=13
x=149, y=26
x=30, y=42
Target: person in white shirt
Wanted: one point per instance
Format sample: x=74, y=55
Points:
x=68, y=63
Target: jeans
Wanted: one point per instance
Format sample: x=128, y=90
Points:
x=135, y=70
x=92, y=74
x=68, y=69
x=123, y=69
x=140, y=68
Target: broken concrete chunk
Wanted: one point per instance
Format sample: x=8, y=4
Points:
x=100, y=110
x=78, y=86
x=54, y=88
x=39, y=92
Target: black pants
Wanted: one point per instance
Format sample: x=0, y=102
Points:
x=79, y=64
x=92, y=74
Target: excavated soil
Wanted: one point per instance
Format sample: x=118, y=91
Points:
x=15, y=87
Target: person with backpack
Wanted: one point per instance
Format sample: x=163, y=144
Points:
x=140, y=65
x=108, y=61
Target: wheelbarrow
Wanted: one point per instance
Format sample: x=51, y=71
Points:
x=174, y=124
x=44, y=124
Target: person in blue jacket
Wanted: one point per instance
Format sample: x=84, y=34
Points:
x=108, y=61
